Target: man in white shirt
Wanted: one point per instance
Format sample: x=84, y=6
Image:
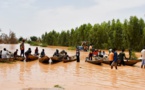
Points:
x=4, y=53
x=143, y=57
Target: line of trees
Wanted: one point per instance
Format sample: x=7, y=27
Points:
x=129, y=34
x=8, y=39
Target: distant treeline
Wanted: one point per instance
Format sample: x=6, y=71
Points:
x=8, y=39
x=111, y=34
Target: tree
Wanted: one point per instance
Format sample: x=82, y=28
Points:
x=12, y=38
x=33, y=38
x=111, y=34
x=20, y=39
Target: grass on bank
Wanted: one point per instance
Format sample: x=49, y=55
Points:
x=71, y=48
x=33, y=43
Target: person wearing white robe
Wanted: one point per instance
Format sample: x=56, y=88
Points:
x=4, y=53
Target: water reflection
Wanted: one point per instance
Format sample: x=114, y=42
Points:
x=113, y=78
x=44, y=67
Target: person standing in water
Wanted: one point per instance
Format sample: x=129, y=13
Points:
x=22, y=48
x=111, y=56
x=114, y=63
x=78, y=55
x=143, y=58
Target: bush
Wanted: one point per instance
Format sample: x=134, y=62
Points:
x=43, y=45
x=32, y=43
x=71, y=48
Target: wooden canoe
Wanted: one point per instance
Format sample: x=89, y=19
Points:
x=31, y=58
x=72, y=58
x=6, y=60
x=19, y=58
x=44, y=59
x=131, y=62
x=56, y=59
x=95, y=61
x=127, y=62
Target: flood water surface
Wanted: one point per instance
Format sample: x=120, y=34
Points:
x=70, y=76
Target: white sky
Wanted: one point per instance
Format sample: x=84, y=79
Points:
x=35, y=17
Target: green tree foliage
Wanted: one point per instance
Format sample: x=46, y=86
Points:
x=127, y=34
x=33, y=38
x=20, y=39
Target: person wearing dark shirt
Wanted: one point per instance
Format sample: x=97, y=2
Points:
x=56, y=53
x=121, y=57
x=100, y=54
x=78, y=55
x=0, y=53
x=90, y=55
x=115, y=58
x=42, y=53
x=66, y=56
x=16, y=53
x=36, y=51
x=28, y=52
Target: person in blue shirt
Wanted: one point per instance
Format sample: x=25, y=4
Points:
x=115, y=58
x=42, y=53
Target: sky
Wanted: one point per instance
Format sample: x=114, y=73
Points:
x=35, y=17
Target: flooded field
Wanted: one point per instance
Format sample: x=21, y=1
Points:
x=70, y=76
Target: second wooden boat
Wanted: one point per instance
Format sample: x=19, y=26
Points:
x=31, y=58
x=44, y=59
x=72, y=58
x=95, y=60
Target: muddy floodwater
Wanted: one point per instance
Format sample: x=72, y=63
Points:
x=70, y=76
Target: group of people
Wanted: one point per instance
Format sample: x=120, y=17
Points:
x=96, y=53
x=7, y=54
x=42, y=54
x=66, y=56
x=115, y=58
x=112, y=57
x=22, y=48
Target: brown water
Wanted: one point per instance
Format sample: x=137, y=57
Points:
x=70, y=76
